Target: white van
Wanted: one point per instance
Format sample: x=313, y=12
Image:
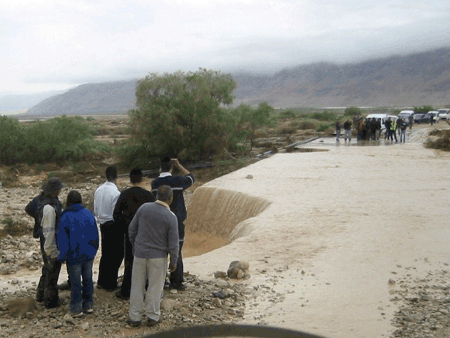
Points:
x=381, y=118
x=443, y=114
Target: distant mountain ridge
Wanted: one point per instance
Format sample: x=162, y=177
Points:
x=25, y=101
x=413, y=80
x=93, y=98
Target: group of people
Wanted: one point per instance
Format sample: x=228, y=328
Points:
x=392, y=126
x=370, y=129
x=138, y=227
x=347, y=130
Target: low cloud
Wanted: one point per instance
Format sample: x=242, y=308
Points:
x=57, y=45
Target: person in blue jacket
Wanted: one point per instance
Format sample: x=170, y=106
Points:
x=78, y=243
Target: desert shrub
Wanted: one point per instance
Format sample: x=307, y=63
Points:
x=351, y=111
x=246, y=121
x=423, y=109
x=14, y=228
x=102, y=131
x=262, y=132
x=321, y=116
x=442, y=141
x=324, y=126
x=78, y=167
x=58, y=139
x=286, y=129
x=105, y=130
x=8, y=224
x=287, y=114
x=305, y=125
x=12, y=136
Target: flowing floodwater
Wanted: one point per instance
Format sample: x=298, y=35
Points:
x=341, y=226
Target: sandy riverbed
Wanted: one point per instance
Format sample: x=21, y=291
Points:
x=340, y=225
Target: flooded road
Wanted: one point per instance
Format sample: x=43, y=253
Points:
x=341, y=226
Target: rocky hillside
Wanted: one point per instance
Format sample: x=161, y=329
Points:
x=93, y=98
x=413, y=80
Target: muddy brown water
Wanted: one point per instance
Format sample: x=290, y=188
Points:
x=339, y=226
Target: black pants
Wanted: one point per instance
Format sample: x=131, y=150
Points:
x=393, y=135
x=176, y=277
x=126, y=284
x=47, y=290
x=112, y=255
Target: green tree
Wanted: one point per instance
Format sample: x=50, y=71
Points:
x=352, y=111
x=11, y=140
x=58, y=139
x=423, y=109
x=249, y=119
x=181, y=114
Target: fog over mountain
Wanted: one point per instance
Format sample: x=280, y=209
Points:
x=416, y=79
x=11, y=103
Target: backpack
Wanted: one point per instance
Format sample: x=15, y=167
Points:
x=32, y=210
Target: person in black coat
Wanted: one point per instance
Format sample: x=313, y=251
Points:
x=128, y=203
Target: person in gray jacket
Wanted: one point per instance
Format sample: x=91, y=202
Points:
x=153, y=234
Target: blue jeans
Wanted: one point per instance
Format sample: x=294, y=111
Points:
x=403, y=136
x=82, y=292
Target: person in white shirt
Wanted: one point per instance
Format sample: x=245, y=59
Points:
x=112, y=237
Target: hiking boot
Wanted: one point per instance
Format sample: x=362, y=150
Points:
x=134, y=323
x=101, y=287
x=179, y=287
x=152, y=322
x=77, y=315
x=64, y=286
x=119, y=295
x=53, y=304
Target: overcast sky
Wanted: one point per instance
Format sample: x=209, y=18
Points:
x=52, y=44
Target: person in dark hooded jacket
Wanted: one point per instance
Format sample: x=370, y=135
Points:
x=46, y=210
x=78, y=244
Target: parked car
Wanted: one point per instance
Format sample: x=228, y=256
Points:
x=435, y=114
x=405, y=114
x=427, y=117
x=419, y=118
x=444, y=113
x=392, y=117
